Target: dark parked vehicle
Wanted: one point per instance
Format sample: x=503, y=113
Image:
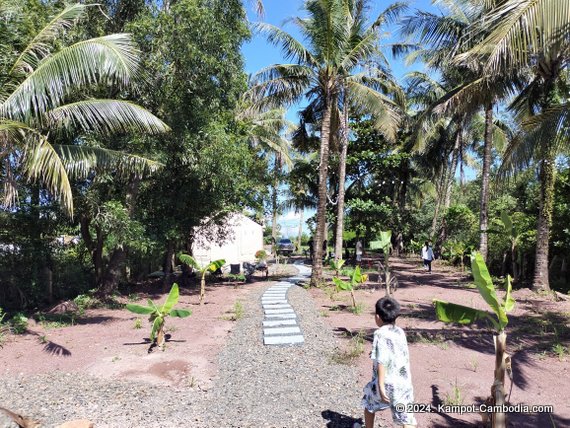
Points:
x=285, y=247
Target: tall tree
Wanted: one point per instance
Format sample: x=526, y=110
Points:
x=533, y=35
x=319, y=72
x=40, y=101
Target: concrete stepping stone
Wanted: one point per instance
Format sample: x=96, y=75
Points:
x=280, y=316
x=281, y=331
x=283, y=340
x=278, y=311
x=279, y=306
x=279, y=323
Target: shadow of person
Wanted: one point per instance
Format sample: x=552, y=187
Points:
x=338, y=420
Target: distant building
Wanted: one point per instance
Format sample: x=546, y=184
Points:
x=244, y=238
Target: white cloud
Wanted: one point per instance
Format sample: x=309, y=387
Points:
x=291, y=215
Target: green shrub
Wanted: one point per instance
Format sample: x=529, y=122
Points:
x=19, y=323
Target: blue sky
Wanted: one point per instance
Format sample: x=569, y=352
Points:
x=259, y=53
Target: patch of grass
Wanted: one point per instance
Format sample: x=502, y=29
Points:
x=474, y=364
x=560, y=351
x=358, y=309
x=335, y=308
x=324, y=314
x=455, y=398
x=134, y=297
x=330, y=292
x=237, y=312
x=354, y=350
x=86, y=301
x=430, y=339
x=138, y=324
x=19, y=323
x=49, y=321
x=115, y=359
x=42, y=339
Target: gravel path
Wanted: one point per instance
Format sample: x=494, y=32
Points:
x=257, y=386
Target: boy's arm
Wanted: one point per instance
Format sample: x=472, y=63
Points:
x=381, y=378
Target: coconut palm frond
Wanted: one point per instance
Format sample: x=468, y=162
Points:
x=382, y=109
x=105, y=117
x=112, y=58
x=291, y=47
x=80, y=161
x=556, y=120
x=517, y=156
x=43, y=164
x=40, y=46
x=521, y=28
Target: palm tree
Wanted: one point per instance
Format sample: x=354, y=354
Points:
x=447, y=37
x=533, y=35
x=265, y=129
x=319, y=72
x=39, y=101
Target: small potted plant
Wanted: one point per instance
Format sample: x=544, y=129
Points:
x=261, y=257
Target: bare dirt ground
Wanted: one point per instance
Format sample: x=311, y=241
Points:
x=96, y=343
x=454, y=365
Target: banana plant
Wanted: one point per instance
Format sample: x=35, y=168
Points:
x=356, y=279
x=456, y=250
x=384, y=243
x=158, y=315
x=514, y=237
x=454, y=313
x=210, y=267
x=337, y=265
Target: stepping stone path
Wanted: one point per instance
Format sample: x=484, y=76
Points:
x=280, y=321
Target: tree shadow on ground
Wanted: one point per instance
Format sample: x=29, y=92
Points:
x=528, y=338
x=52, y=348
x=55, y=349
x=450, y=421
x=338, y=420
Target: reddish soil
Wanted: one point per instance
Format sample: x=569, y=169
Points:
x=105, y=342
x=456, y=364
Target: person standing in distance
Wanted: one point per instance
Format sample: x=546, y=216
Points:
x=427, y=256
x=359, y=251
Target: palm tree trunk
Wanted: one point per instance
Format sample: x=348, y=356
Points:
x=274, y=203
x=484, y=207
x=547, y=178
x=439, y=189
x=300, y=233
x=454, y=160
x=322, y=193
x=341, y=189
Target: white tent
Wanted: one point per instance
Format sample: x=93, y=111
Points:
x=244, y=239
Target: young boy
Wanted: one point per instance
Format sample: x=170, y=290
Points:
x=391, y=382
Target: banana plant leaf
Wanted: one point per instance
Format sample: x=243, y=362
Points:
x=509, y=301
x=342, y=285
x=337, y=265
x=155, y=327
x=180, y=313
x=486, y=288
x=137, y=309
x=358, y=277
x=507, y=222
x=215, y=265
x=189, y=260
x=152, y=305
x=171, y=300
x=454, y=313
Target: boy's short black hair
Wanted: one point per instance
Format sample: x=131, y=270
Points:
x=388, y=309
